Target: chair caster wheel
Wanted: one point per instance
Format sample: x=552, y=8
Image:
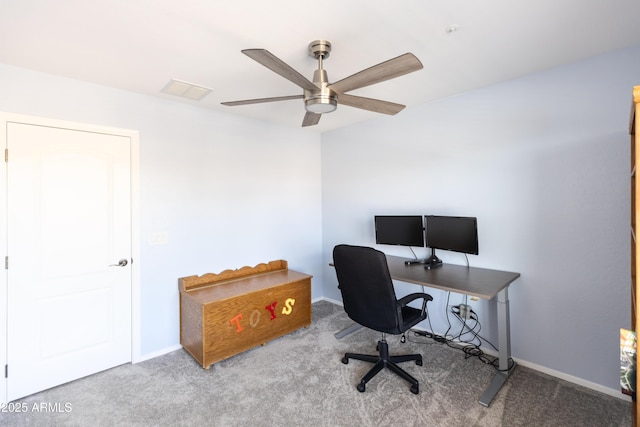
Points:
x=345, y=360
x=403, y=339
x=360, y=387
x=415, y=389
x=419, y=362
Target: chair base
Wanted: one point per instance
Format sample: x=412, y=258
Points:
x=384, y=360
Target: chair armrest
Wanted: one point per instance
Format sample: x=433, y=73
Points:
x=414, y=296
x=411, y=297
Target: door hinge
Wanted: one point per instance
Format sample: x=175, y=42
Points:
x=6, y=371
x=6, y=155
x=6, y=262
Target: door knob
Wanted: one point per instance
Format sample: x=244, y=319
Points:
x=122, y=263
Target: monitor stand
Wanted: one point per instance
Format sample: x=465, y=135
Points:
x=433, y=261
x=416, y=261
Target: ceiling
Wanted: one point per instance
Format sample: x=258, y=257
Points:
x=139, y=45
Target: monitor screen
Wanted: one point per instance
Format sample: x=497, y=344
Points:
x=452, y=233
x=399, y=230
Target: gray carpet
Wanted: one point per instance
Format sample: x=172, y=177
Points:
x=298, y=380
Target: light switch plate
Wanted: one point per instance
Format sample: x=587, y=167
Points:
x=158, y=238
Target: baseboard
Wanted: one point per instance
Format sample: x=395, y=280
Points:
x=157, y=353
x=575, y=380
x=557, y=374
x=333, y=301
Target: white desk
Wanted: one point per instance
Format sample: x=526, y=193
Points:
x=479, y=282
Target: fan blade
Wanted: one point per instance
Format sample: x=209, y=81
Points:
x=276, y=65
x=260, y=100
x=375, y=105
x=403, y=64
x=310, y=119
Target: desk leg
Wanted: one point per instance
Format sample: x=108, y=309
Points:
x=348, y=330
x=504, y=349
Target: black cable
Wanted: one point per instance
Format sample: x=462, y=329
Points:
x=436, y=338
x=414, y=254
x=448, y=322
x=470, y=347
x=469, y=330
x=464, y=324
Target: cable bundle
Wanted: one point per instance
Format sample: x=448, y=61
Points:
x=468, y=339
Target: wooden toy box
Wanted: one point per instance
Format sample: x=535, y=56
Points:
x=224, y=314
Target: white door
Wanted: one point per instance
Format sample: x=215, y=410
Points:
x=69, y=225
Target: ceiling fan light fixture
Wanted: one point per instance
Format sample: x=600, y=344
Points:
x=321, y=104
x=324, y=100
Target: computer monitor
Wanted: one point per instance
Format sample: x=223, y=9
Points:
x=400, y=230
x=451, y=233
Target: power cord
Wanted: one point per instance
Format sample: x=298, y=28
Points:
x=469, y=346
x=427, y=334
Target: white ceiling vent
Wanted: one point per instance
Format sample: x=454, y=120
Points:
x=186, y=90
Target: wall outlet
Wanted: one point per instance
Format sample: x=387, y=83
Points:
x=465, y=311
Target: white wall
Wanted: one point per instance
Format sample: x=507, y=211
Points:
x=543, y=162
x=229, y=192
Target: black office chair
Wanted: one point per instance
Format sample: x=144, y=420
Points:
x=370, y=300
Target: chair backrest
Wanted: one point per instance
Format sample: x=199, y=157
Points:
x=366, y=286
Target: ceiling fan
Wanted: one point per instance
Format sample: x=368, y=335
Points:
x=319, y=95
